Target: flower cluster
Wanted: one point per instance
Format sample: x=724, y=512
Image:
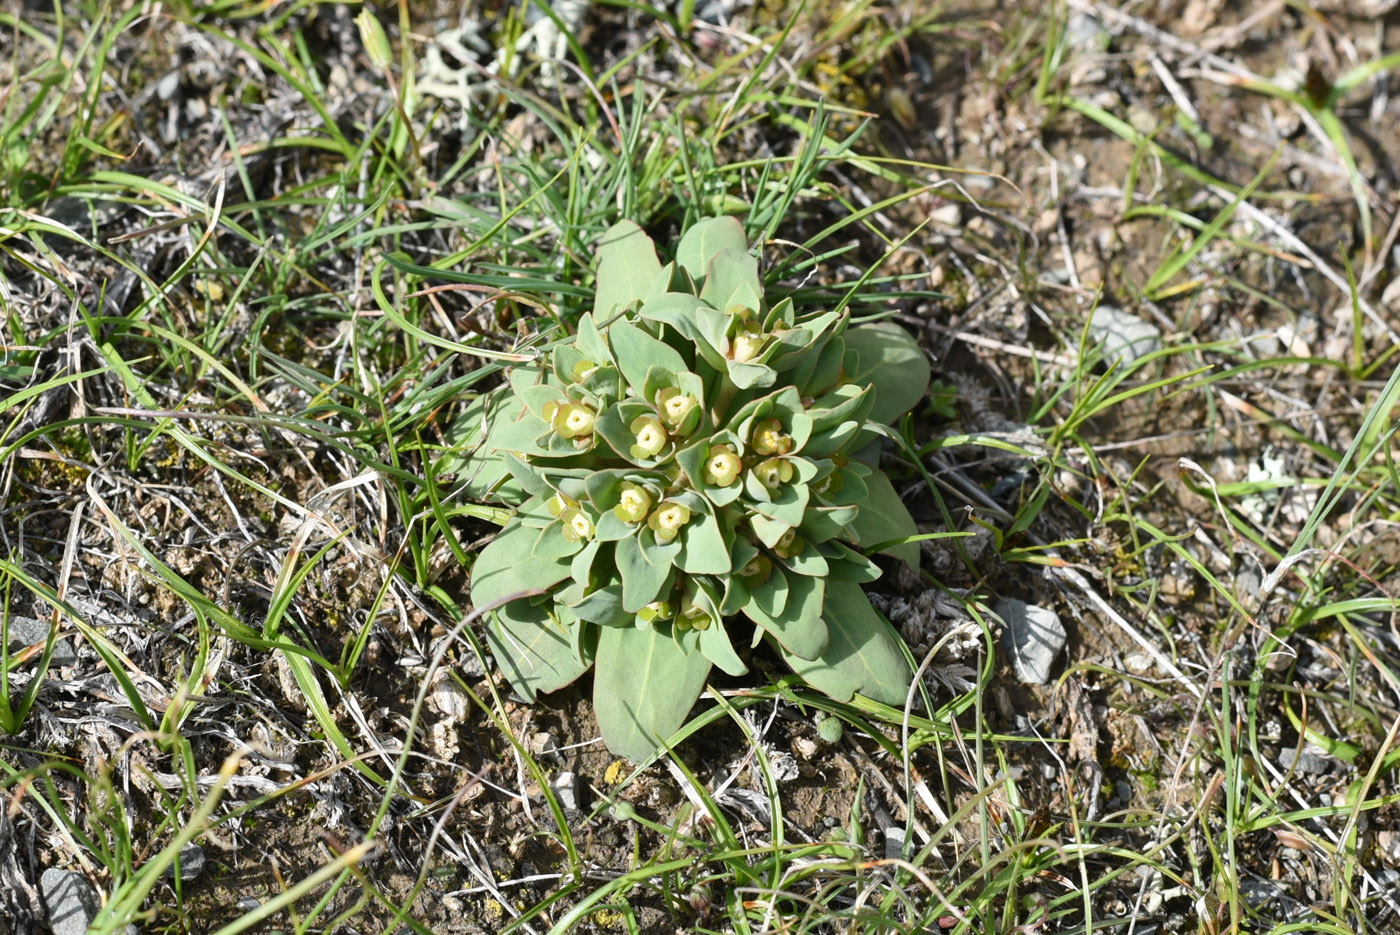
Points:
x=694, y=471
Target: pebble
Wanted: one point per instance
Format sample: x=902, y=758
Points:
x=72, y=901
x=191, y=862
x=26, y=631
x=1033, y=637
x=1312, y=761
x=894, y=842
x=566, y=788
x=1084, y=33
x=1123, y=335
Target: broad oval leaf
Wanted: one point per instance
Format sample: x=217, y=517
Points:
x=506, y=567
x=643, y=688
x=799, y=629
x=704, y=239
x=627, y=266
x=863, y=652
x=882, y=517
x=892, y=362
x=537, y=652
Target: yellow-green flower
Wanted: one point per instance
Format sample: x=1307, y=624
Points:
x=756, y=570
x=651, y=437
x=789, y=544
x=656, y=610
x=667, y=519
x=570, y=419
x=692, y=616
x=633, y=505
x=582, y=369
x=774, y=472
x=722, y=466
x=676, y=407
x=560, y=503
x=577, y=525
x=768, y=438
x=747, y=343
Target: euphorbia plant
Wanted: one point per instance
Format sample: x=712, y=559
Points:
x=692, y=472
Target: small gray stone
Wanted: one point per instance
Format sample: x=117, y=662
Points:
x=1123, y=336
x=1259, y=892
x=26, y=631
x=1084, y=33
x=894, y=842
x=1033, y=637
x=247, y=904
x=168, y=85
x=1312, y=761
x=566, y=788
x=191, y=863
x=71, y=900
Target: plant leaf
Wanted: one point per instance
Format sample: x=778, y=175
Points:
x=714, y=643
x=883, y=517
x=704, y=239
x=891, y=361
x=537, y=653
x=641, y=580
x=627, y=266
x=643, y=687
x=799, y=629
x=732, y=277
x=506, y=567
x=863, y=654
x=636, y=351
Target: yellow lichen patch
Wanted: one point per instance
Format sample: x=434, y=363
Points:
x=615, y=773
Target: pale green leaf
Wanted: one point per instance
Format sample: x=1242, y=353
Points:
x=862, y=655
x=537, y=653
x=506, y=568
x=627, y=266
x=643, y=687
x=892, y=362
x=882, y=517
x=704, y=239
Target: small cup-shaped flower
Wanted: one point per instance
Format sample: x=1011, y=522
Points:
x=768, y=438
x=747, y=343
x=692, y=616
x=560, y=503
x=789, y=544
x=582, y=369
x=722, y=466
x=756, y=570
x=651, y=437
x=829, y=484
x=656, y=610
x=774, y=472
x=634, y=504
x=577, y=526
x=573, y=420
x=676, y=407
x=667, y=519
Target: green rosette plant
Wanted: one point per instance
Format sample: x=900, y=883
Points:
x=692, y=472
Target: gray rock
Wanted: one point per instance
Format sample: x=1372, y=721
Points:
x=26, y=631
x=1259, y=892
x=71, y=900
x=1084, y=33
x=247, y=904
x=894, y=842
x=1313, y=761
x=1122, y=335
x=566, y=788
x=191, y=863
x=1033, y=637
